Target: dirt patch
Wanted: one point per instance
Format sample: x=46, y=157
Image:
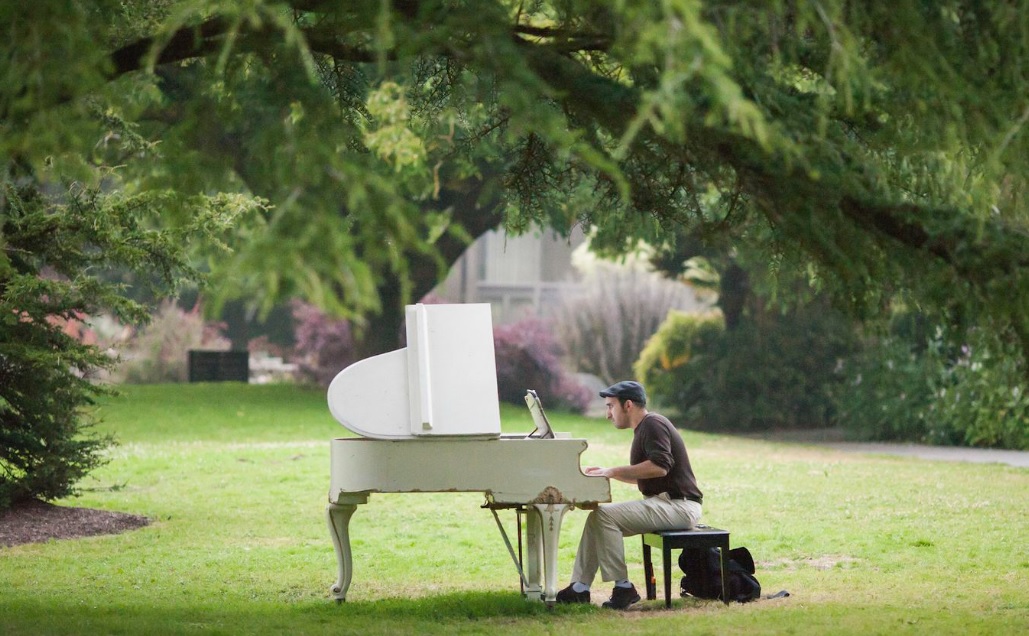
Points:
x=825, y=562
x=37, y=521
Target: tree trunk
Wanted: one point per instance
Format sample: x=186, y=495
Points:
x=384, y=331
x=734, y=289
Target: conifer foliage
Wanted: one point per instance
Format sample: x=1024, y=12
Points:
x=55, y=245
x=880, y=148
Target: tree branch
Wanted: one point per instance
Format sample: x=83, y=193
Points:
x=186, y=43
x=611, y=105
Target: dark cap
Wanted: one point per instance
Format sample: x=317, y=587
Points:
x=626, y=390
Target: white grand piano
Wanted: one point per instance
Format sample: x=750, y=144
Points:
x=428, y=420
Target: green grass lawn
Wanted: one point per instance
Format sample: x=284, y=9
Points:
x=234, y=479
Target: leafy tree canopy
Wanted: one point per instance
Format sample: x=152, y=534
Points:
x=880, y=148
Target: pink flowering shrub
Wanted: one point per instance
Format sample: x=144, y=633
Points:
x=530, y=357
x=323, y=345
x=159, y=351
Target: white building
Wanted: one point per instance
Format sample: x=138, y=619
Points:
x=519, y=275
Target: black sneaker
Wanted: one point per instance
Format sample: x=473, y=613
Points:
x=622, y=597
x=569, y=595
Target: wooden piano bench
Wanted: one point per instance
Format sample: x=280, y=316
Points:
x=699, y=537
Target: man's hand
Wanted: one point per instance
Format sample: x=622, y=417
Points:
x=611, y=473
x=629, y=474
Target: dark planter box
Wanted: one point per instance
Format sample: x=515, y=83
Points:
x=219, y=366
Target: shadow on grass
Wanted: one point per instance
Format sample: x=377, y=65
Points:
x=460, y=605
x=465, y=612
x=492, y=605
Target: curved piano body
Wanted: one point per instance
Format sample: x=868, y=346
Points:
x=429, y=420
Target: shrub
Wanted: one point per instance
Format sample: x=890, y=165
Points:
x=324, y=345
x=529, y=357
x=55, y=243
x=671, y=365
x=887, y=393
x=934, y=392
x=160, y=351
x=777, y=372
x=981, y=398
x=606, y=326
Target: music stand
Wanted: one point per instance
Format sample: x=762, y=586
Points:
x=543, y=430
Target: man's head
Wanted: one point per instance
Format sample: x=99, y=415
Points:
x=626, y=403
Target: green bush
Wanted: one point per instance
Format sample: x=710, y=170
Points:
x=887, y=394
x=776, y=372
x=982, y=398
x=671, y=364
x=936, y=392
x=71, y=239
x=54, y=244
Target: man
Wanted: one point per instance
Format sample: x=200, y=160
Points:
x=660, y=467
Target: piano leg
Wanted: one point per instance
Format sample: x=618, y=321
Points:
x=534, y=555
x=551, y=516
x=338, y=518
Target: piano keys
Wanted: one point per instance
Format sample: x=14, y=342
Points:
x=428, y=420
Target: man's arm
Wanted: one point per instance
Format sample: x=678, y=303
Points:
x=629, y=474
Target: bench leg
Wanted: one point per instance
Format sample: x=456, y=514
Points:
x=723, y=552
x=648, y=572
x=666, y=558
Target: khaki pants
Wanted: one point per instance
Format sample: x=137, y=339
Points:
x=601, y=546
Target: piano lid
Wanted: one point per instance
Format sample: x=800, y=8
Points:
x=443, y=384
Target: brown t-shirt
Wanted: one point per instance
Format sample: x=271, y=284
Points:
x=656, y=439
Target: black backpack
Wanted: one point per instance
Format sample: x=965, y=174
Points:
x=703, y=570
